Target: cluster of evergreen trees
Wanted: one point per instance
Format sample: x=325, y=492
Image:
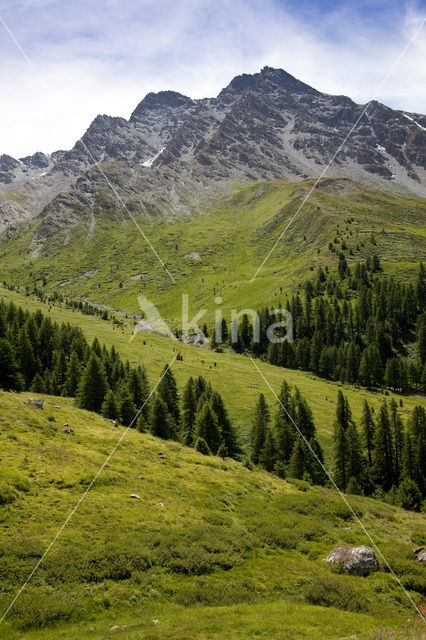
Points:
x=354, y=327
x=46, y=357
x=43, y=356
x=277, y=444
x=384, y=458
x=205, y=423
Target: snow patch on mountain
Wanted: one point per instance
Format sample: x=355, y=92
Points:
x=148, y=163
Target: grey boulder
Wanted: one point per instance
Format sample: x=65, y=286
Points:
x=420, y=554
x=357, y=561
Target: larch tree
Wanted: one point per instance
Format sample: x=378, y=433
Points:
x=367, y=431
x=207, y=427
x=93, y=385
x=260, y=424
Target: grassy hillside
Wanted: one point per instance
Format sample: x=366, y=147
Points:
x=111, y=263
x=208, y=550
x=233, y=375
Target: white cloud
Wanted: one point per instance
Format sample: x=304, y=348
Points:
x=104, y=58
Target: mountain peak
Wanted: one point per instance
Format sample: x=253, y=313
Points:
x=278, y=78
x=152, y=101
x=268, y=79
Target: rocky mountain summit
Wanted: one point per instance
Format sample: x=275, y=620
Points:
x=174, y=152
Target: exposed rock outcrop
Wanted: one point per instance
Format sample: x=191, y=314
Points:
x=174, y=150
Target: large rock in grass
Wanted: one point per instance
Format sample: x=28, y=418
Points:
x=357, y=561
x=420, y=554
x=35, y=403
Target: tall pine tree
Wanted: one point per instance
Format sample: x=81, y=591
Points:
x=260, y=424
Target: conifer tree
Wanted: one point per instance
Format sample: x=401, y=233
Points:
x=8, y=368
x=93, y=385
x=409, y=463
x=355, y=463
x=408, y=495
x=55, y=389
x=189, y=411
x=227, y=431
x=397, y=438
x=383, y=460
x=352, y=363
x=367, y=431
x=207, y=427
x=260, y=424
x=417, y=428
x=167, y=390
x=392, y=374
x=340, y=443
x=245, y=333
x=126, y=406
x=47, y=381
x=72, y=376
x=284, y=430
x=303, y=415
x=268, y=453
x=354, y=487
x=225, y=331
x=59, y=366
x=25, y=359
x=297, y=465
x=370, y=368
x=162, y=424
x=316, y=349
x=315, y=462
x=200, y=387
x=109, y=406
x=37, y=385
x=135, y=385
x=96, y=348
x=222, y=452
x=141, y=423
x=202, y=447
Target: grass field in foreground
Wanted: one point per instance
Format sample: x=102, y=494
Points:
x=210, y=549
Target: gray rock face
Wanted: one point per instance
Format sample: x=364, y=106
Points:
x=7, y=163
x=173, y=150
x=357, y=561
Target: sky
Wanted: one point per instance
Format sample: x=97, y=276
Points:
x=62, y=62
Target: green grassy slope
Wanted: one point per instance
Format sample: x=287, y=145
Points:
x=233, y=375
x=232, y=237
x=210, y=550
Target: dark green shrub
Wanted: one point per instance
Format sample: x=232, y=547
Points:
x=331, y=592
x=41, y=608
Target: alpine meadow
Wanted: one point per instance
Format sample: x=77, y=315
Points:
x=213, y=324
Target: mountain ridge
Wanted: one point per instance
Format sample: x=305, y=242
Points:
x=263, y=126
